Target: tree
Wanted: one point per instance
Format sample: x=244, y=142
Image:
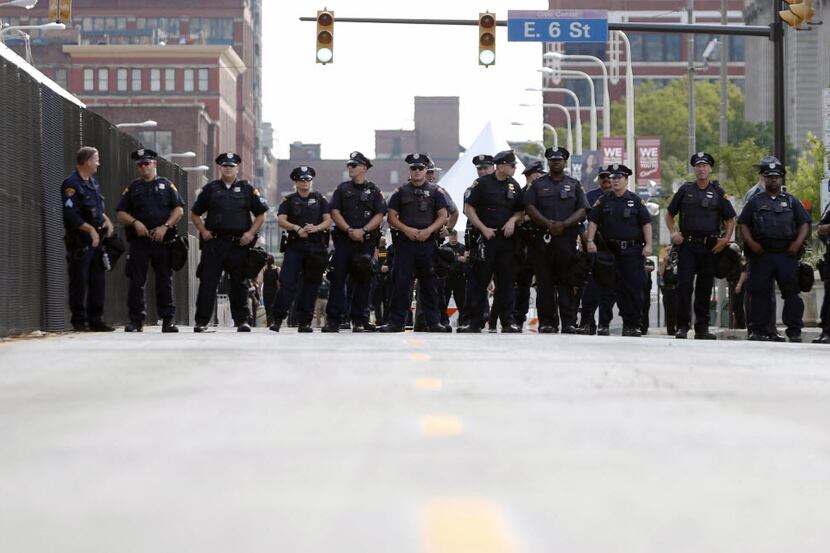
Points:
x=805, y=182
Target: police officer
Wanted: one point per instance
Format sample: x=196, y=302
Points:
x=494, y=207
x=524, y=257
x=824, y=235
x=86, y=224
x=226, y=236
x=593, y=295
x=703, y=210
x=774, y=226
x=625, y=225
x=357, y=208
x=305, y=215
x=557, y=205
x=417, y=210
x=149, y=208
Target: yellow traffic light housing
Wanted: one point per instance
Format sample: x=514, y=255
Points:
x=486, y=39
x=325, y=36
x=60, y=11
x=801, y=11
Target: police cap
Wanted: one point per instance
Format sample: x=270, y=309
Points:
x=773, y=169
x=228, y=159
x=702, y=157
x=617, y=170
x=535, y=167
x=144, y=154
x=431, y=167
x=557, y=153
x=483, y=160
x=418, y=160
x=507, y=156
x=303, y=172
x=360, y=159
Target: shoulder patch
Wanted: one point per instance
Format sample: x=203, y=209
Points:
x=256, y=192
x=475, y=183
x=127, y=189
x=642, y=201
x=598, y=202
x=173, y=186
x=69, y=192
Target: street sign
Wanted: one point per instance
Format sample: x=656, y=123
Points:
x=557, y=26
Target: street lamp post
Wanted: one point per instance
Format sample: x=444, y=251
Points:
x=587, y=77
x=629, y=112
x=570, y=142
x=185, y=155
x=575, y=98
x=143, y=125
x=44, y=27
x=552, y=129
x=606, y=102
x=540, y=143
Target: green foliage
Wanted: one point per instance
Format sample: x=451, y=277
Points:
x=740, y=162
x=805, y=182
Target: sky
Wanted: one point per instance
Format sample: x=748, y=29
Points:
x=378, y=69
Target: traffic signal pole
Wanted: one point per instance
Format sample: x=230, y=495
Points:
x=774, y=31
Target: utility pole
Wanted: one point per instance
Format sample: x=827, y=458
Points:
x=690, y=54
x=724, y=98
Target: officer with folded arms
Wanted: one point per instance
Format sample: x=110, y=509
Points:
x=86, y=225
x=357, y=208
x=494, y=207
x=226, y=236
x=707, y=221
x=774, y=226
x=305, y=216
x=149, y=208
x=417, y=210
x=624, y=223
x=557, y=205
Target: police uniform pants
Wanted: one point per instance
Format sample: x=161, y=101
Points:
x=553, y=285
x=766, y=269
x=354, y=305
x=143, y=252
x=456, y=287
x=631, y=278
x=222, y=255
x=524, y=279
x=694, y=259
x=413, y=259
x=499, y=261
x=825, y=304
x=670, y=307
x=290, y=275
x=644, y=316
x=87, y=285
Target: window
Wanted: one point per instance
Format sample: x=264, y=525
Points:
x=654, y=46
x=121, y=80
x=169, y=79
x=203, y=80
x=582, y=89
x=586, y=49
x=393, y=177
x=155, y=80
x=89, y=79
x=137, y=80
x=159, y=141
x=396, y=147
x=736, y=48
x=103, y=80
x=61, y=77
x=213, y=28
x=188, y=80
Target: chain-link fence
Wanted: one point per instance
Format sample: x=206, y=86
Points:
x=40, y=133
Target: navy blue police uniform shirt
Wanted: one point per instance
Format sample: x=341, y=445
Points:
x=620, y=218
x=700, y=207
x=307, y=206
x=82, y=202
x=487, y=192
x=593, y=195
x=439, y=202
x=229, y=206
x=370, y=200
x=783, y=199
x=150, y=201
x=556, y=199
x=451, y=207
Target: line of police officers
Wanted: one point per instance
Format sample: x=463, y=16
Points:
x=603, y=263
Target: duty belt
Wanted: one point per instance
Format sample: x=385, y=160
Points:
x=625, y=244
x=700, y=238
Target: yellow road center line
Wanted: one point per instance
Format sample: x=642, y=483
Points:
x=441, y=425
x=420, y=356
x=465, y=525
x=429, y=384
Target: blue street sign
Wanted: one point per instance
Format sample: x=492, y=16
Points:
x=557, y=26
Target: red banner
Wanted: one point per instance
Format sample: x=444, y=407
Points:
x=648, y=160
x=613, y=150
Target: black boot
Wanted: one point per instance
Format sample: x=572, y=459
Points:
x=167, y=325
x=134, y=326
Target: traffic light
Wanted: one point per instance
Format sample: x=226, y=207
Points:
x=486, y=39
x=801, y=11
x=60, y=11
x=325, y=36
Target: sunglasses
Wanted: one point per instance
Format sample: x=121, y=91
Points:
x=228, y=165
x=144, y=163
x=351, y=165
x=416, y=167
